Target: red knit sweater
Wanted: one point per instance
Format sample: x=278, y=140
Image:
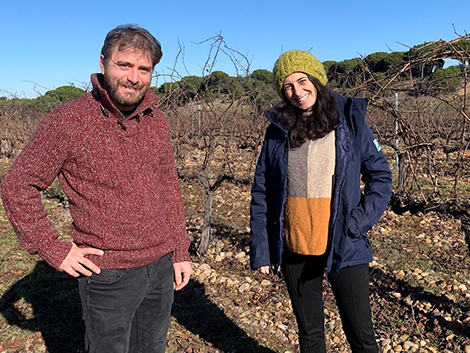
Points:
x=120, y=178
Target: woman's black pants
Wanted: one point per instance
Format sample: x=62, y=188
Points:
x=304, y=276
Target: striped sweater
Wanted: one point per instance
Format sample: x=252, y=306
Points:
x=310, y=179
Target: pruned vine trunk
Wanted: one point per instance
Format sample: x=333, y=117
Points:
x=401, y=174
x=206, y=227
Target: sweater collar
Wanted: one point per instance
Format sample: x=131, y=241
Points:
x=146, y=106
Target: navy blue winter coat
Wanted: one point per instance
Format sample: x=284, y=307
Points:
x=353, y=212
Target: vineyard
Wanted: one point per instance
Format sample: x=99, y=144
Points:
x=420, y=283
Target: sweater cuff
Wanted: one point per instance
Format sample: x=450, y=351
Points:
x=180, y=254
x=55, y=253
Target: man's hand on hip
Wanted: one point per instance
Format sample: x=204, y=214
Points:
x=76, y=262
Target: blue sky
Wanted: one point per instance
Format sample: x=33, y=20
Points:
x=48, y=44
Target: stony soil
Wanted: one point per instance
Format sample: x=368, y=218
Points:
x=420, y=290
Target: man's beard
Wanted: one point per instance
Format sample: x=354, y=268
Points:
x=113, y=92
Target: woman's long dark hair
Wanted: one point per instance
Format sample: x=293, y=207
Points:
x=311, y=125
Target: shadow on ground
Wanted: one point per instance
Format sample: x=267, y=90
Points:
x=199, y=315
x=432, y=323
x=47, y=301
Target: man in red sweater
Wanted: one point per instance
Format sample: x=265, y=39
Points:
x=112, y=153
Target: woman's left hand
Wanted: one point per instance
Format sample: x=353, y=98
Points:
x=264, y=270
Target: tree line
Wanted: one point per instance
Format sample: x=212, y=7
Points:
x=345, y=73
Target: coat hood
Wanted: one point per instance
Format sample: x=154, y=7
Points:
x=270, y=114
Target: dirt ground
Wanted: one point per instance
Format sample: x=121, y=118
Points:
x=419, y=289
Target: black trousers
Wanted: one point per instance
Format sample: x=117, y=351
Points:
x=304, y=276
x=128, y=310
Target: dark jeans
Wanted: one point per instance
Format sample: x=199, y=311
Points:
x=304, y=277
x=128, y=310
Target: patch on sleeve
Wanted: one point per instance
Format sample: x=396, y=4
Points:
x=377, y=145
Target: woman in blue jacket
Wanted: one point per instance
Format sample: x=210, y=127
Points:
x=308, y=212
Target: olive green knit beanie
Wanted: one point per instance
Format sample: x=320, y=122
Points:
x=297, y=61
